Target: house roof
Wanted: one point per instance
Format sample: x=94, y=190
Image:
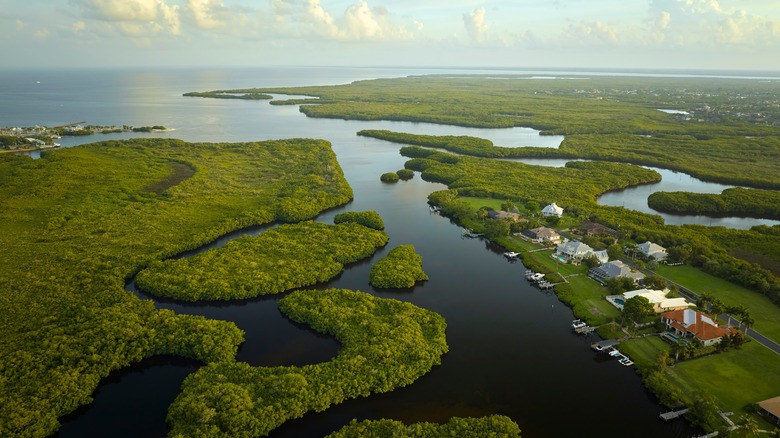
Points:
x=650, y=248
x=543, y=233
x=771, y=405
x=574, y=247
x=596, y=228
x=658, y=297
x=697, y=323
x=552, y=209
x=616, y=268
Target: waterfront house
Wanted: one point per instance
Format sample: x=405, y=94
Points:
x=653, y=251
x=689, y=323
x=542, y=235
x=552, y=210
x=613, y=269
x=659, y=300
x=574, y=250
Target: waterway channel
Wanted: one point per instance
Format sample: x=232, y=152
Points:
x=512, y=351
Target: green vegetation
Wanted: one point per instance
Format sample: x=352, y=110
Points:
x=405, y=174
x=277, y=260
x=386, y=344
x=731, y=202
x=493, y=426
x=729, y=125
x=370, y=219
x=227, y=94
x=79, y=221
x=763, y=311
x=400, y=268
x=389, y=177
x=149, y=128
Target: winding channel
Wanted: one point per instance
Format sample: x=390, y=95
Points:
x=511, y=348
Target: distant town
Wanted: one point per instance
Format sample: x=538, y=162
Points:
x=24, y=139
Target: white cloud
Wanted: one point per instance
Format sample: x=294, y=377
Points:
x=358, y=23
x=591, y=32
x=134, y=17
x=475, y=24
x=42, y=34
x=208, y=14
x=79, y=26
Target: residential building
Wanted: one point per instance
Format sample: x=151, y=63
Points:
x=501, y=214
x=543, y=234
x=591, y=228
x=613, y=269
x=770, y=408
x=650, y=249
x=552, y=210
x=659, y=300
x=694, y=324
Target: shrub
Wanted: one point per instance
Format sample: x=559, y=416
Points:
x=389, y=177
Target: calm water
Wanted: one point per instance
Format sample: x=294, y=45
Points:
x=511, y=349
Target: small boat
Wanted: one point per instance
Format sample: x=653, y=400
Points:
x=615, y=353
x=511, y=254
x=578, y=323
x=535, y=277
x=626, y=361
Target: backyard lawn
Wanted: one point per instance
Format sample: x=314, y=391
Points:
x=765, y=313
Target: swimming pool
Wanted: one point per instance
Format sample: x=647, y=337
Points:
x=620, y=301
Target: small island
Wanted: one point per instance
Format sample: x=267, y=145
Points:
x=401, y=268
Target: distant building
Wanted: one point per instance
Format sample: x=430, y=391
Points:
x=659, y=300
x=613, y=269
x=542, y=234
x=656, y=252
x=552, y=210
x=694, y=324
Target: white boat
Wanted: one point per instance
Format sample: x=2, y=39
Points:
x=578, y=323
x=626, y=361
x=535, y=277
x=615, y=353
x=511, y=254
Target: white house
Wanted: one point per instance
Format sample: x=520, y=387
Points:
x=659, y=300
x=552, y=210
x=576, y=250
x=650, y=249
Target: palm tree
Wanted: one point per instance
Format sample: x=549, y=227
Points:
x=748, y=424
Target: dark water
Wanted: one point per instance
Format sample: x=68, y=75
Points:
x=511, y=349
x=635, y=198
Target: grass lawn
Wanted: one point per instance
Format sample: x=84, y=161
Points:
x=737, y=378
x=587, y=299
x=643, y=350
x=764, y=312
x=477, y=203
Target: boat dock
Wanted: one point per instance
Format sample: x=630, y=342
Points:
x=671, y=415
x=604, y=345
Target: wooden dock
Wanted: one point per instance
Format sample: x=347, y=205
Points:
x=671, y=415
x=585, y=330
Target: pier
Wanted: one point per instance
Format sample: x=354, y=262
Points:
x=671, y=415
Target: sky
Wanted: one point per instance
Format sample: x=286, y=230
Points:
x=625, y=34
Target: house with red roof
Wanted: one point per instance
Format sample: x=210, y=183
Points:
x=694, y=324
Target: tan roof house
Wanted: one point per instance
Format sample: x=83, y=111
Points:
x=770, y=408
x=542, y=234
